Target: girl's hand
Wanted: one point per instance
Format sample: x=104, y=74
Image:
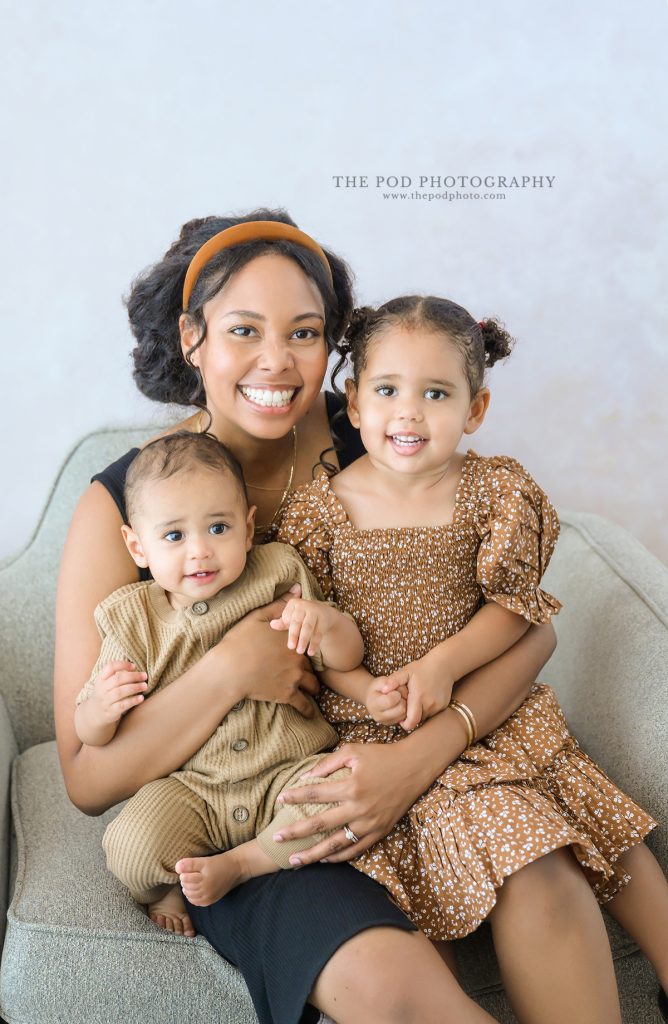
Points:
x=306, y=622
x=429, y=690
x=261, y=665
x=118, y=688
x=370, y=801
x=387, y=697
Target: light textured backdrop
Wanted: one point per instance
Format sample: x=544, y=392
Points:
x=122, y=121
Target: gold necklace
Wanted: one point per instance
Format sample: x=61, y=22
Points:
x=263, y=532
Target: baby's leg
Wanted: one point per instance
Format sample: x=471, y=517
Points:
x=163, y=821
x=205, y=880
x=169, y=912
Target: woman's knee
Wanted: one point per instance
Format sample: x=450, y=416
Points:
x=389, y=975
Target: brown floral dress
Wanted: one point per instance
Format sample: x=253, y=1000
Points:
x=527, y=788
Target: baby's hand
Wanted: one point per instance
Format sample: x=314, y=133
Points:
x=386, y=698
x=429, y=691
x=116, y=689
x=306, y=623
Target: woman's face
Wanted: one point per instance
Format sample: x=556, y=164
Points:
x=265, y=356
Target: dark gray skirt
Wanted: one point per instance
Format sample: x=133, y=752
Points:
x=281, y=929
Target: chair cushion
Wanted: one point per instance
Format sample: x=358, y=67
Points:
x=77, y=947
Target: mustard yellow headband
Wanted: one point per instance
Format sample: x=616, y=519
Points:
x=249, y=231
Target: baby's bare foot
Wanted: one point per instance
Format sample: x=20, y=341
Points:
x=170, y=913
x=207, y=879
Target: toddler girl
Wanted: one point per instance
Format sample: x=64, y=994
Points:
x=439, y=555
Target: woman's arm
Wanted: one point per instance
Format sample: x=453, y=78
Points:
x=160, y=734
x=428, y=682
x=387, y=779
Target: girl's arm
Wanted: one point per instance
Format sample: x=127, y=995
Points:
x=430, y=680
x=424, y=687
x=90, y=728
x=387, y=779
x=490, y=632
x=387, y=704
x=342, y=646
x=161, y=734
x=118, y=687
x=354, y=683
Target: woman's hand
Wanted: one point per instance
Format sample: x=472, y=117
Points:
x=257, y=659
x=370, y=801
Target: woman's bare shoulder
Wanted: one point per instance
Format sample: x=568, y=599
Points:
x=192, y=423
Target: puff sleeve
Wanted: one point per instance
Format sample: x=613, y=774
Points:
x=518, y=532
x=306, y=524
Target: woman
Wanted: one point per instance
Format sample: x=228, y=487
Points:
x=244, y=335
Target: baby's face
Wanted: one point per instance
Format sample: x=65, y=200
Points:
x=193, y=530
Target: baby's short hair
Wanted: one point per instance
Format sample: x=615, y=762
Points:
x=179, y=452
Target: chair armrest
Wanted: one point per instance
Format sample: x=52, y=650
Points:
x=8, y=751
x=609, y=670
x=28, y=589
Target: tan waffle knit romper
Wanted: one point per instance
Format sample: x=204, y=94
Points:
x=224, y=794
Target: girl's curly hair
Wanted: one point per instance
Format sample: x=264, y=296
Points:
x=481, y=344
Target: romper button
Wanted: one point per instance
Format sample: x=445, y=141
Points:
x=239, y=745
x=238, y=706
x=200, y=607
x=240, y=814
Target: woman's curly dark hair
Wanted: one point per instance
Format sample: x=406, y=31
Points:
x=154, y=303
x=481, y=344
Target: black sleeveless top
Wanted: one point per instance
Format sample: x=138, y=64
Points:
x=347, y=442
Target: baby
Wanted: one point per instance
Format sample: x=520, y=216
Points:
x=191, y=525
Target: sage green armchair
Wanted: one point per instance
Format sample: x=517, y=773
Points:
x=77, y=950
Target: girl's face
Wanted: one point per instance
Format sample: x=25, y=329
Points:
x=264, y=357
x=412, y=404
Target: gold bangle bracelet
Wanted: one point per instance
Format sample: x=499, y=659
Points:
x=469, y=714
x=465, y=719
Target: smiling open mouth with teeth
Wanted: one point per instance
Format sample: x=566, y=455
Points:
x=407, y=439
x=268, y=397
